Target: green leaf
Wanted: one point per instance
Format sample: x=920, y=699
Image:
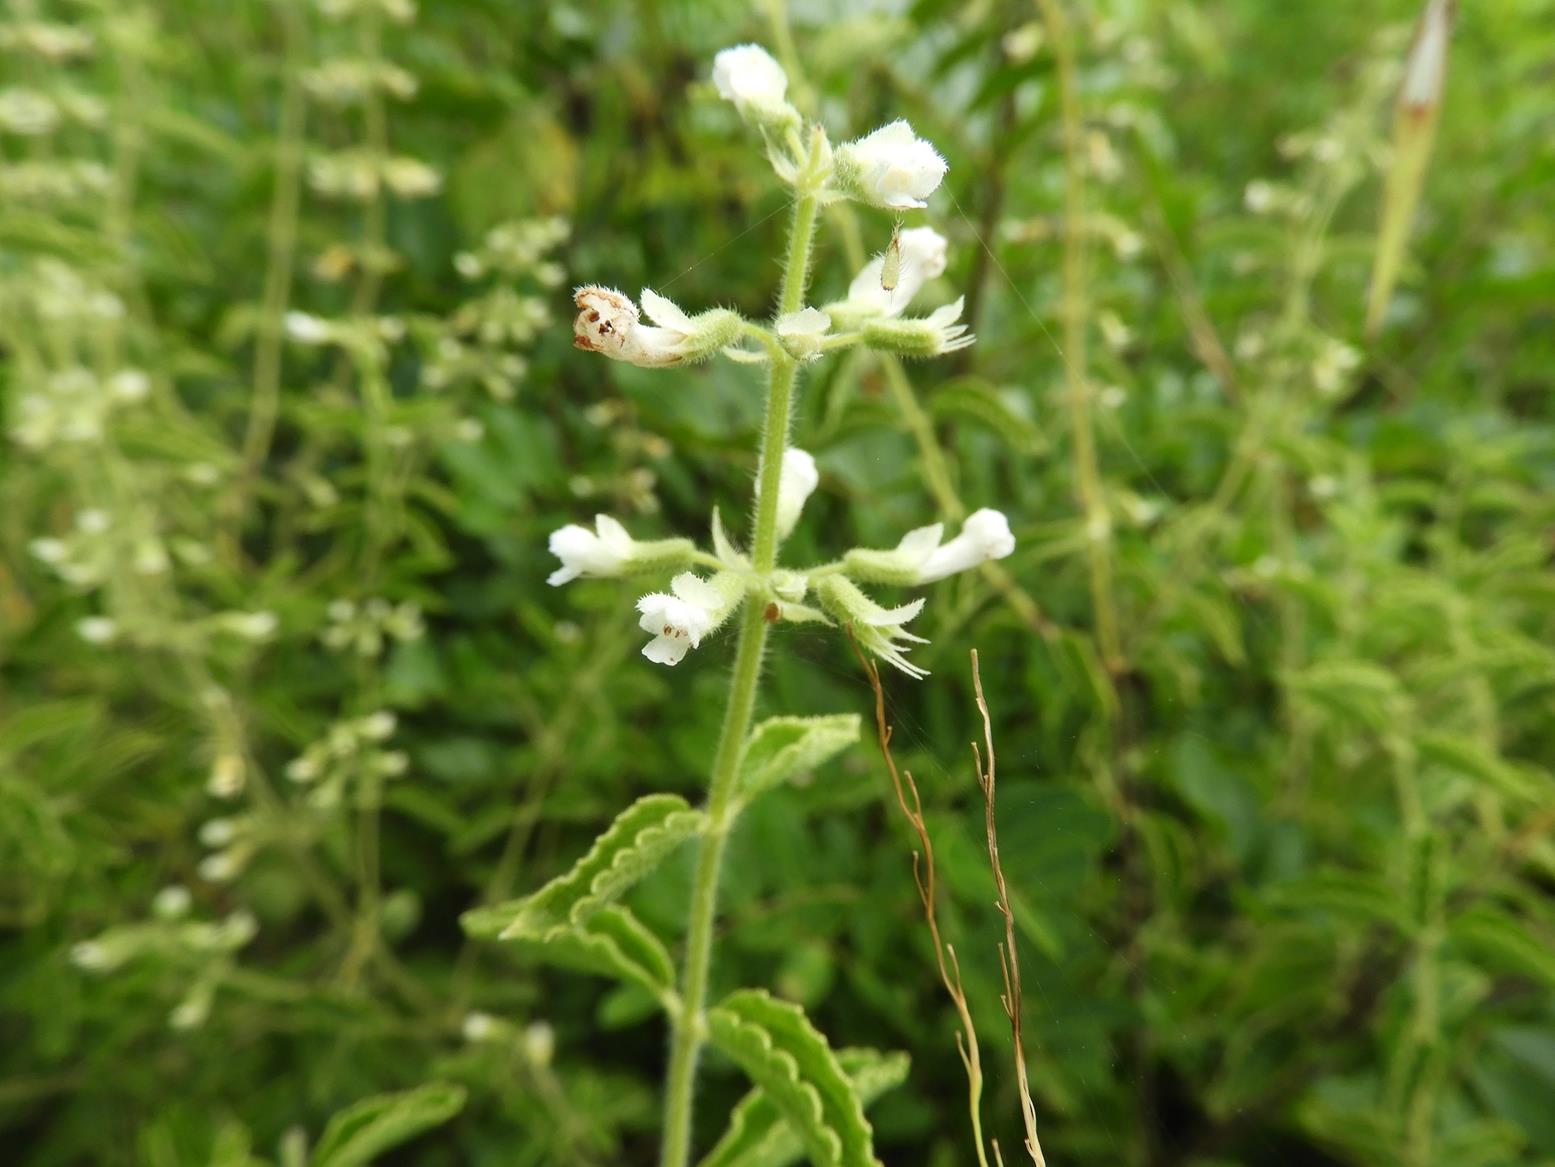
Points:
x=782, y=747
x=1504, y=942
x=1474, y=760
x=610, y=942
x=359, y=1133
x=775, y=1044
x=759, y=1135
x=638, y=841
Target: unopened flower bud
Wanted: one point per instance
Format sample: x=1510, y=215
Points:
x=880, y=631
x=798, y=480
x=748, y=76
x=940, y=332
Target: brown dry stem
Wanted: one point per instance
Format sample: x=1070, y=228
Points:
x=923, y=878
x=1009, y=961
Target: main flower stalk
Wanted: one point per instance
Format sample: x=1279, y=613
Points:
x=689, y=1030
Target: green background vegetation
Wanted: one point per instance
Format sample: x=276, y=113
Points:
x=1282, y=867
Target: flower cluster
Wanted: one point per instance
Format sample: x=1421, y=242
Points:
x=891, y=168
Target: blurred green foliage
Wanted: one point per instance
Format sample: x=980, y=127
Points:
x=1283, y=871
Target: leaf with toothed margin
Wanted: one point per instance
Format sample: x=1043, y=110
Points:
x=782, y=747
x=611, y=942
x=360, y=1133
x=759, y=1135
x=775, y=1044
x=641, y=837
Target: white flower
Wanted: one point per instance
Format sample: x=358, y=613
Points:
x=798, y=480
x=984, y=536
x=49, y=549
x=881, y=631
x=609, y=323
x=680, y=619
x=378, y=726
x=307, y=329
x=539, y=1043
x=587, y=553
x=921, y=558
x=923, y=253
x=478, y=1026
x=172, y=902
x=129, y=385
x=801, y=332
x=748, y=76
x=227, y=777
x=96, y=629
x=892, y=167
x=1427, y=64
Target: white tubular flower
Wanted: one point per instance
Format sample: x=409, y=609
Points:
x=923, y=255
x=798, y=480
x=609, y=323
x=608, y=551
x=891, y=167
x=748, y=76
x=881, y=631
x=680, y=618
x=802, y=332
x=1427, y=65
x=936, y=334
x=920, y=558
x=984, y=536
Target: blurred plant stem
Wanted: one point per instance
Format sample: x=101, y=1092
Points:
x=1093, y=500
x=285, y=205
x=689, y=1030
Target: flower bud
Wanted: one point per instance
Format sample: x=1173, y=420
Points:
x=940, y=332
x=880, y=631
x=748, y=76
x=609, y=323
x=798, y=480
x=693, y=607
x=891, y=167
x=608, y=551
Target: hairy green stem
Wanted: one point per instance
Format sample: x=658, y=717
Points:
x=689, y=1030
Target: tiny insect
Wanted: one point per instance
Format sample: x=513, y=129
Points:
x=891, y=268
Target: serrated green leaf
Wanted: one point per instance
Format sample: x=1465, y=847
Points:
x=781, y=747
x=359, y=1133
x=1354, y=691
x=1504, y=942
x=637, y=841
x=1349, y=895
x=775, y=1044
x=610, y=942
x=759, y=1135
x=1474, y=760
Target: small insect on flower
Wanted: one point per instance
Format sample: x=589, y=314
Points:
x=891, y=268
